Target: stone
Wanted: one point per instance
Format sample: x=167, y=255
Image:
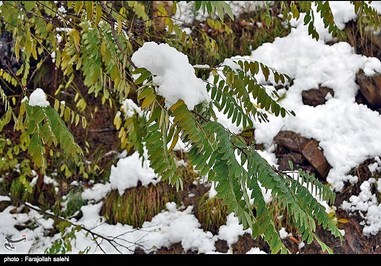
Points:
x=370, y=87
x=290, y=140
x=315, y=97
x=316, y=157
x=296, y=158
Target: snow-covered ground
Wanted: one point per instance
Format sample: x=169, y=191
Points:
x=348, y=133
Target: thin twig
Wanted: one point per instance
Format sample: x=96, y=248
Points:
x=82, y=227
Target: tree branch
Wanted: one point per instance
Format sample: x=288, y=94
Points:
x=110, y=239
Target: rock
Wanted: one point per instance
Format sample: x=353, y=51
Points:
x=360, y=99
x=304, y=153
x=315, y=97
x=296, y=158
x=221, y=245
x=370, y=87
x=290, y=140
x=246, y=242
x=316, y=157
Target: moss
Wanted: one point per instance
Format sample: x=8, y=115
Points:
x=211, y=212
x=138, y=204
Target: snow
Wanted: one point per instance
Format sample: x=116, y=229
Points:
x=367, y=205
x=347, y=132
x=129, y=171
x=46, y=224
x=53, y=56
x=48, y=180
x=255, y=251
x=38, y=98
x=173, y=75
x=36, y=240
x=185, y=13
x=59, y=38
x=232, y=230
x=344, y=128
x=283, y=233
x=5, y=198
x=96, y=192
x=266, y=195
x=62, y=9
x=173, y=224
x=205, y=66
x=376, y=166
x=343, y=12
x=212, y=191
x=130, y=108
x=126, y=174
x=163, y=230
x=226, y=122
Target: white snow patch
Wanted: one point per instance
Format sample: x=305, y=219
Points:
x=5, y=198
x=376, y=166
x=48, y=180
x=232, y=230
x=185, y=13
x=174, y=76
x=172, y=225
x=212, y=191
x=283, y=233
x=187, y=30
x=266, y=195
x=205, y=66
x=226, y=122
x=343, y=12
x=166, y=228
x=38, y=98
x=96, y=192
x=255, y=251
x=62, y=9
x=367, y=205
x=74, y=183
x=53, y=56
x=344, y=128
x=59, y=38
x=129, y=171
x=130, y=108
x=34, y=242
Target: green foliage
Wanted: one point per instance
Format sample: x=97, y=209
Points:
x=366, y=14
x=45, y=128
x=241, y=97
x=294, y=196
x=74, y=202
x=214, y=7
x=64, y=245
